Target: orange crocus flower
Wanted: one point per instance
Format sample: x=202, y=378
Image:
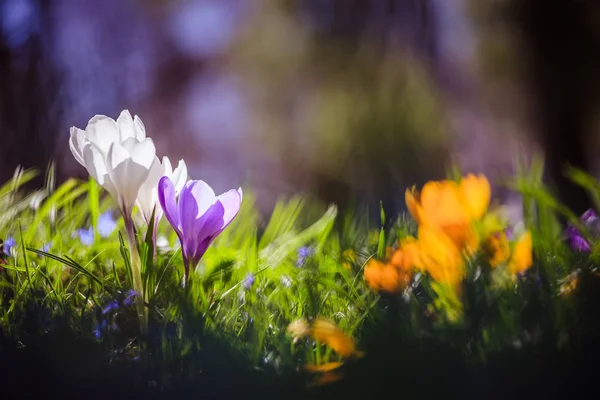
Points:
x=406, y=257
x=439, y=256
x=384, y=277
x=452, y=207
x=522, y=257
x=396, y=274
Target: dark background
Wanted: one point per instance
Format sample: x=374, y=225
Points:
x=349, y=100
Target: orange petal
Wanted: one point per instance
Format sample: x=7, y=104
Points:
x=325, y=367
x=463, y=236
x=405, y=258
x=334, y=337
x=477, y=192
x=442, y=204
x=411, y=197
x=381, y=276
x=439, y=256
x=522, y=257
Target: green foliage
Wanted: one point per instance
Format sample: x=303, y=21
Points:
x=257, y=278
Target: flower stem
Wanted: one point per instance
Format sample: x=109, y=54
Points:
x=136, y=271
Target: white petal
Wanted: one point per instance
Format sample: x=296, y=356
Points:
x=102, y=131
x=76, y=144
x=179, y=176
x=144, y=153
x=96, y=166
x=140, y=129
x=147, y=197
x=126, y=128
x=168, y=167
x=129, y=169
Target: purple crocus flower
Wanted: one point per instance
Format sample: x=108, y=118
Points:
x=589, y=216
x=577, y=242
x=197, y=216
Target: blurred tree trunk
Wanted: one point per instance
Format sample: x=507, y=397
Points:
x=563, y=56
x=28, y=96
x=383, y=157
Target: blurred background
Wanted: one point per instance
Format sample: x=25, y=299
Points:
x=349, y=101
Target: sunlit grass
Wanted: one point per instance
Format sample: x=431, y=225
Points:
x=260, y=276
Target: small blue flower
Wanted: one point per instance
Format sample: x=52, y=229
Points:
x=9, y=243
x=99, y=328
x=106, y=224
x=111, y=306
x=86, y=236
x=303, y=253
x=46, y=247
x=249, y=281
x=129, y=297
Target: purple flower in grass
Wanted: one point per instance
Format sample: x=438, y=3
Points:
x=111, y=306
x=303, y=253
x=86, y=236
x=130, y=297
x=589, y=216
x=106, y=224
x=99, y=329
x=8, y=244
x=197, y=216
x=249, y=281
x=576, y=240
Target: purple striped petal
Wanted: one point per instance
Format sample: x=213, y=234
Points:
x=168, y=202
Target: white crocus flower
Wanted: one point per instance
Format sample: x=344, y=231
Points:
x=117, y=154
x=148, y=195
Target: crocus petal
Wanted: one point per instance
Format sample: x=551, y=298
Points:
x=129, y=169
x=76, y=142
x=207, y=227
x=148, y=194
x=126, y=128
x=168, y=202
x=102, y=131
x=216, y=219
x=140, y=129
x=412, y=199
x=179, y=176
x=194, y=201
x=166, y=163
x=96, y=166
x=232, y=201
x=477, y=193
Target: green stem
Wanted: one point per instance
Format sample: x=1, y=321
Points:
x=136, y=270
